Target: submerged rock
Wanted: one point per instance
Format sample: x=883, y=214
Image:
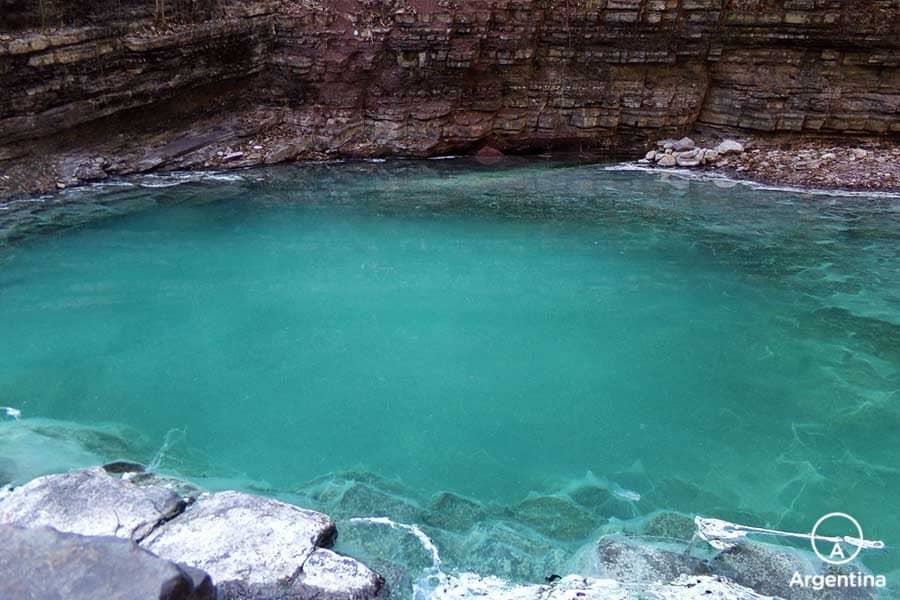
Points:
x=555, y=517
x=670, y=525
x=452, y=512
x=602, y=502
x=43, y=564
x=768, y=569
x=90, y=502
x=517, y=555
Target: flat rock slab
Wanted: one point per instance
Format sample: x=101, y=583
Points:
x=90, y=502
x=43, y=564
x=257, y=547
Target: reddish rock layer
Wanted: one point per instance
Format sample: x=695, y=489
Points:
x=421, y=77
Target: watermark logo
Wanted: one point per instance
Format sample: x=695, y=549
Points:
x=838, y=550
x=844, y=549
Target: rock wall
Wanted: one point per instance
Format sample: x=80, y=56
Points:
x=419, y=77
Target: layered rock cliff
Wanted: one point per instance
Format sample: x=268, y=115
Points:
x=105, y=86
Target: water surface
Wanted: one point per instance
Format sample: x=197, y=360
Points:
x=442, y=326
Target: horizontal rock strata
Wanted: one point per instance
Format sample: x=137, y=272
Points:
x=422, y=77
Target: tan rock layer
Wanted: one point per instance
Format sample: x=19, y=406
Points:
x=419, y=77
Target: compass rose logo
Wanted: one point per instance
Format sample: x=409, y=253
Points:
x=840, y=549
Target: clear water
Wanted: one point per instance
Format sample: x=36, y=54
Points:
x=413, y=327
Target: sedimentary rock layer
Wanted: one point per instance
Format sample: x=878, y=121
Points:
x=420, y=77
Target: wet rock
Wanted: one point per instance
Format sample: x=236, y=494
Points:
x=120, y=467
x=555, y=517
x=666, y=160
x=374, y=539
x=636, y=561
x=90, y=502
x=41, y=563
x=687, y=159
x=601, y=502
x=455, y=513
x=512, y=553
x=257, y=547
x=729, y=147
x=768, y=570
x=182, y=488
x=354, y=495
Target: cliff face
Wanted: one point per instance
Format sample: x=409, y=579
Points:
x=419, y=77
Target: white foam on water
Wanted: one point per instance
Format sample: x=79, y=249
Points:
x=168, y=442
x=423, y=538
x=689, y=174
x=433, y=578
x=625, y=494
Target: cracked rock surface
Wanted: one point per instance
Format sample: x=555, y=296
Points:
x=251, y=547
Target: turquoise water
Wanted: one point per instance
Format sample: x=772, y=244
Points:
x=408, y=328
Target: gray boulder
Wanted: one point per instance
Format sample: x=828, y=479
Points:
x=687, y=159
x=327, y=575
x=683, y=144
x=256, y=547
x=768, y=569
x=633, y=561
x=666, y=160
x=90, y=502
x=43, y=564
x=729, y=147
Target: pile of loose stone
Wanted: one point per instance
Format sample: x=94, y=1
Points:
x=685, y=153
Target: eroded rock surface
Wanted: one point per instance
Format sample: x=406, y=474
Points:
x=90, y=502
x=255, y=547
x=252, y=547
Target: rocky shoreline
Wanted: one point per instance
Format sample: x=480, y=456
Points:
x=815, y=164
x=121, y=532
x=872, y=166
